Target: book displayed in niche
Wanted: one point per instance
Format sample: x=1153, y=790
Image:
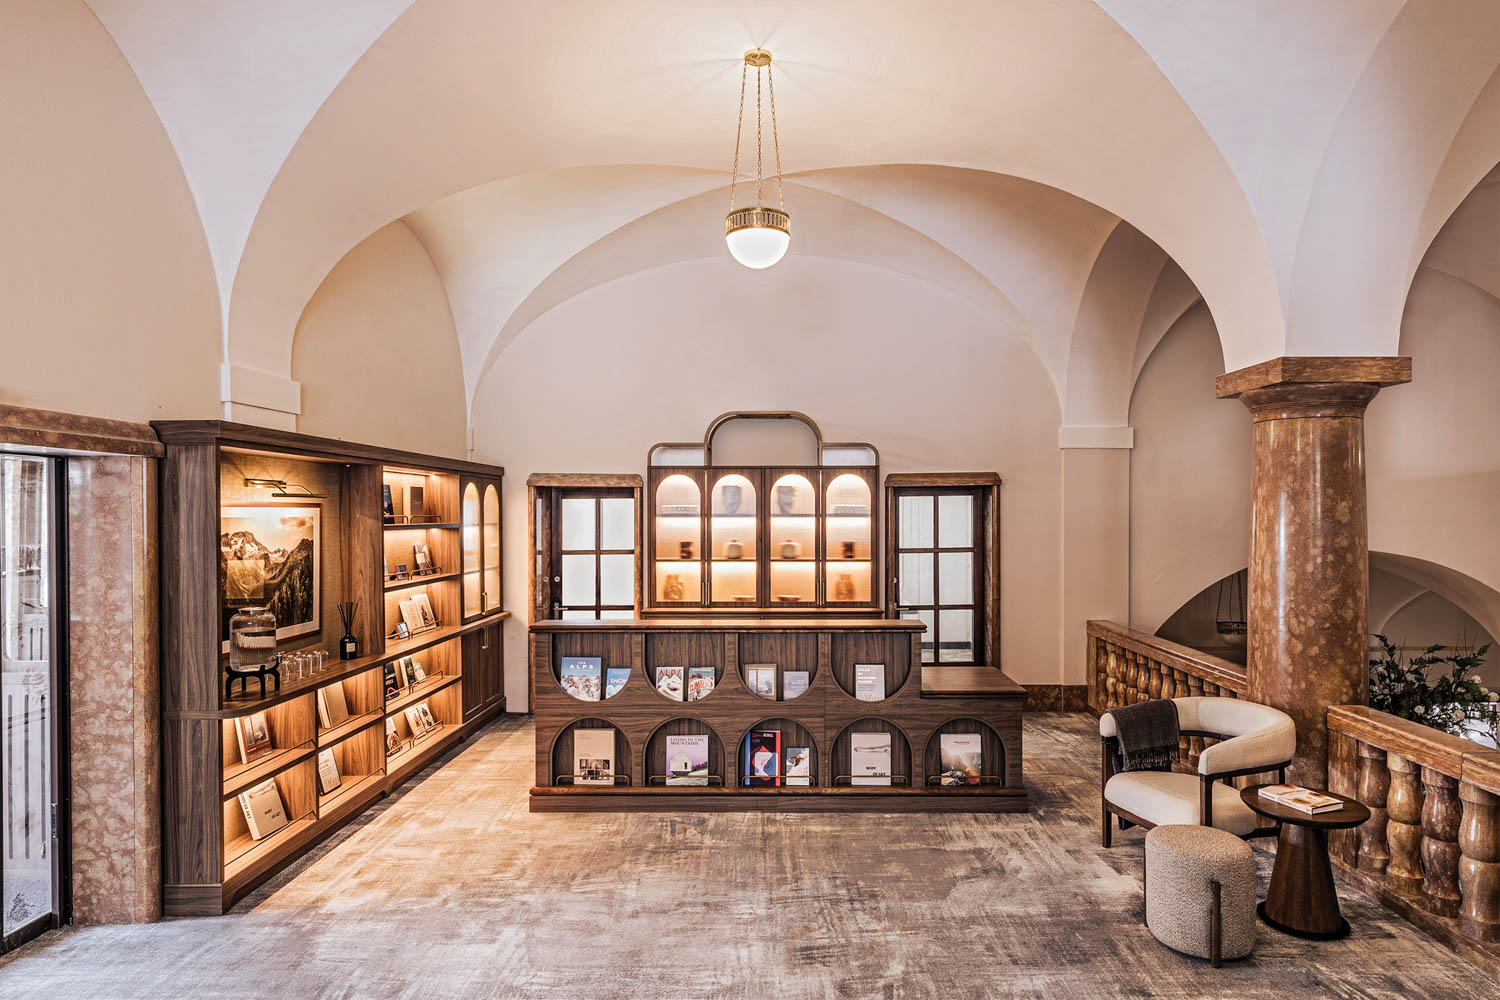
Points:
x=416, y=614
x=333, y=707
x=870, y=758
x=422, y=558
x=700, y=682
x=763, y=757
x=254, y=736
x=962, y=760
x=794, y=684
x=669, y=682
x=869, y=681
x=264, y=813
x=1300, y=798
x=392, y=738
x=593, y=756
x=412, y=499
x=420, y=720
x=614, y=680
x=328, y=771
x=798, y=766
x=687, y=760
x=580, y=676
x=387, y=504
x=761, y=677
x=392, y=681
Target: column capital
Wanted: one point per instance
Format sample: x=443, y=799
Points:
x=1372, y=372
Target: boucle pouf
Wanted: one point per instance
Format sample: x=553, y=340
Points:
x=1181, y=861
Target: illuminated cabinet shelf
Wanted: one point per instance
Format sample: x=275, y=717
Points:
x=761, y=538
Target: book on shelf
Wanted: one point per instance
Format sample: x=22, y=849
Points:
x=333, y=707
x=264, y=813
x=254, y=736
x=614, y=680
x=328, y=771
x=418, y=675
x=687, y=760
x=593, y=756
x=761, y=678
x=429, y=721
x=870, y=758
x=424, y=608
x=422, y=557
x=669, y=682
x=869, y=681
x=794, y=684
x=580, y=676
x=700, y=683
x=1301, y=799
x=392, y=738
x=961, y=759
x=411, y=615
x=763, y=757
x=419, y=719
x=387, y=503
x=392, y=681
x=798, y=765
x=412, y=500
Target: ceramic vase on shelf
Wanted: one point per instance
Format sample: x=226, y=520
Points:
x=843, y=588
x=671, y=590
x=791, y=549
x=733, y=549
x=848, y=550
x=252, y=638
x=684, y=550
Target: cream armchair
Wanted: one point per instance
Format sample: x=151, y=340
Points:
x=1255, y=739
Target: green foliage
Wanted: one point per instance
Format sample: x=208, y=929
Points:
x=1454, y=701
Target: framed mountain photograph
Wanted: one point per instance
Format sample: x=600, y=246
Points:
x=269, y=557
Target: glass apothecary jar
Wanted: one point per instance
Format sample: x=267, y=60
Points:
x=252, y=638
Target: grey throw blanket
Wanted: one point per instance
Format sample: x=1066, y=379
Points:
x=1147, y=736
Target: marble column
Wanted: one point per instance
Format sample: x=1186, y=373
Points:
x=1308, y=605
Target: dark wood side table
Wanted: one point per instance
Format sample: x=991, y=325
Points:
x=1302, y=900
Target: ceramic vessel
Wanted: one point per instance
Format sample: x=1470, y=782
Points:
x=733, y=549
x=791, y=549
x=671, y=590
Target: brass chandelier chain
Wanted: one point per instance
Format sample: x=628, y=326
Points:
x=739, y=127
x=734, y=171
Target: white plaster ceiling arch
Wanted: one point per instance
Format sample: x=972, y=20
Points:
x=836, y=228
x=1475, y=598
x=429, y=110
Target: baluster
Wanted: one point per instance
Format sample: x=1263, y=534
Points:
x=1479, y=865
x=1111, y=677
x=1343, y=779
x=1440, y=820
x=1403, y=831
x=1154, y=679
x=1374, y=786
x=1133, y=672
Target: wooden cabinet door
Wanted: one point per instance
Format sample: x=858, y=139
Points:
x=492, y=655
x=472, y=680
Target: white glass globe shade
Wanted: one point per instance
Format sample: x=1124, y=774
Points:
x=758, y=246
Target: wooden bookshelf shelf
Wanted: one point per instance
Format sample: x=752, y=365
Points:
x=420, y=581
x=350, y=727
x=239, y=777
x=209, y=859
x=419, y=692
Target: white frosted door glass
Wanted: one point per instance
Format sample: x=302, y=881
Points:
x=956, y=631
x=577, y=523
x=616, y=523
x=955, y=578
x=617, y=579
x=914, y=516
x=578, y=580
x=916, y=578
x=955, y=522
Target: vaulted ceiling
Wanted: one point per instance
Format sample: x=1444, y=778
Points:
x=1084, y=169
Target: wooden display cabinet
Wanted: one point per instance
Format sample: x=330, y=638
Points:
x=209, y=857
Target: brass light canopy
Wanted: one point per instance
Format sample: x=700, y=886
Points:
x=757, y=237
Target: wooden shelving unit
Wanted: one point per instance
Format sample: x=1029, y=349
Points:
x=210, y=858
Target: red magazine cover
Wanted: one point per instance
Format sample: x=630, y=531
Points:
x=763, y=757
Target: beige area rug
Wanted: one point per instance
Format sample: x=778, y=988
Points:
x=452, y=889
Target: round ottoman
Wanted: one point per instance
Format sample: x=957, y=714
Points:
x=1200, y=891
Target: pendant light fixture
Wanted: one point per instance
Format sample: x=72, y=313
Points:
x=757, y=237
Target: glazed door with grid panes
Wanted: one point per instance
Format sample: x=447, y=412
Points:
x=593, y=554
x=938, y=569
x=30, y=876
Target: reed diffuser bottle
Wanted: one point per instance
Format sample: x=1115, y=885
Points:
x=348, y=645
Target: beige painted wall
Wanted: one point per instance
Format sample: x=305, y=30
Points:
x=376, y=351
x=110, y=306
x=591, y=385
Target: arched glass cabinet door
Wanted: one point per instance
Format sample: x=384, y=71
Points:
x=793, y=540
x=848, y=539
x=489, y=591
x=472, y=574
x=733, y=533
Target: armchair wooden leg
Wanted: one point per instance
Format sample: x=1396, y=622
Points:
x=1215, y=922
x=1145, y=893
x=1105, y=828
